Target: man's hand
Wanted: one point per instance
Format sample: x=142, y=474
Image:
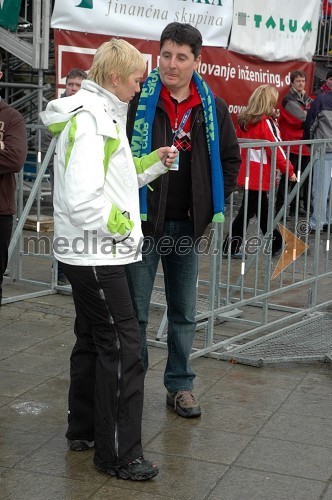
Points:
x=167, y=155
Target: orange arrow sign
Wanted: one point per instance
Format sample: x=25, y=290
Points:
x=294, y=247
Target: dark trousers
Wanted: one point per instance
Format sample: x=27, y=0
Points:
x=6, y=227
x=106, y=371
x=280, y=198
x=237, y=225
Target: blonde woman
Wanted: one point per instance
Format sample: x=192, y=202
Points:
x=258, y=123
x=97, y=233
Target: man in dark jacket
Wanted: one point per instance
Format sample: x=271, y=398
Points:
x=176, y=107
x=13, y=152
x=293, y=112
x=318, y=125
x=326, y=86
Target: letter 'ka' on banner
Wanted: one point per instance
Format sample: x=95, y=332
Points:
x=144, y=19
x=9, y=11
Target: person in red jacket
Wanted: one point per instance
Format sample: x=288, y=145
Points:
x=293, y=113
x=326, y=85
x=258, y=123
x=326, y=8
x=13, y=152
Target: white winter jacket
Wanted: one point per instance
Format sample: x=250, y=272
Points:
x=96, y=204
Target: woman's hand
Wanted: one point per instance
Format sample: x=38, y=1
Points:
x=293, y=178
x=167, y=155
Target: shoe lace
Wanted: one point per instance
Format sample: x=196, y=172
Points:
x=186, y=397
x=141, y=460
x=138, y=460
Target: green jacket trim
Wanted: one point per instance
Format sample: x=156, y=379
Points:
x=118, y=223
x=111, y=145
x=57, y=128
x=71, y=140
x=145, y=162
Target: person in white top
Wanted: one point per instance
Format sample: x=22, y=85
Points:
x=97, y=232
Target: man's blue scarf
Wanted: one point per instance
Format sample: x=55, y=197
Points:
x=142, y=136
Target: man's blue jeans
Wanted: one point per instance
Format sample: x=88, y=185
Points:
x=179, y=258
x=320, y=191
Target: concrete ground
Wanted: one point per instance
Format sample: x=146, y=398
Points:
x=264, y=433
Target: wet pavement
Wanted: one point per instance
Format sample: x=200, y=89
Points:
x=265, y=433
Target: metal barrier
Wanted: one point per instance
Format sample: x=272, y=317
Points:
x=254, y=295
x=247, y=294
x=18, y=251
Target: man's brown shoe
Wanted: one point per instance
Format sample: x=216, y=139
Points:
x=184, y=403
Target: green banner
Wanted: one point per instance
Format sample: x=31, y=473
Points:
x=9, y=12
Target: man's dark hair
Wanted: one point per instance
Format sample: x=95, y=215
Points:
x=76, y=72
x=183, y=34
x=295, y=74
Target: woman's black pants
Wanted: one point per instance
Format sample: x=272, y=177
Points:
x=106, y=372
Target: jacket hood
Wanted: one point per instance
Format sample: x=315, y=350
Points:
x=91, y=98
x=245, y=126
